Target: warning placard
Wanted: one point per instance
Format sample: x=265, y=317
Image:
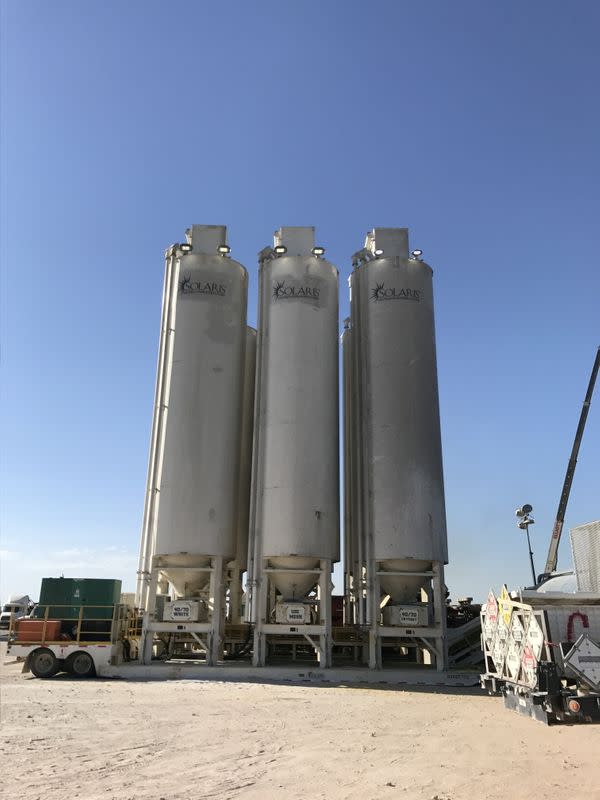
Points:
x=491, y=607
x=516, y=628
x=535, y=637
x=502, y=629
x=513, y=658
x=529, y=664
x=584, y=660
x=505, y=605
x=499, y=654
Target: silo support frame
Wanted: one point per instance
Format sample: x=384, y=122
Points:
x=214, y=628
x=319, y=636
x=217, y=604
x=234, y=581
x=432, y=638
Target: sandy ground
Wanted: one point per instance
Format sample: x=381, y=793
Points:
x=177, y=740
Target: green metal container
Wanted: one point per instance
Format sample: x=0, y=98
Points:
x=64, y=597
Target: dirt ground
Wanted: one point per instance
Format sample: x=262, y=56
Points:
x=182, y=740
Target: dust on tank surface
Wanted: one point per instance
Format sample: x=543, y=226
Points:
x=393, y=444
x=246, y=449
x=193, y=486
x=296, y=472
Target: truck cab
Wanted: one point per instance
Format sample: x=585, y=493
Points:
x=16, y=607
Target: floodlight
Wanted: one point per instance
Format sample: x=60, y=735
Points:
x=525, y=523
x=224, y=249
x=185, y=248
x=280, y=249
x=417, y=253
x=379, y=252
x=524, y=510
x=318, y=251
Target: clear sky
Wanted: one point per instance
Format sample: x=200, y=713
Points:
x=476, y=125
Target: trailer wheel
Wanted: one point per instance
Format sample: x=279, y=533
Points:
x=80, y=665
x=43, y=663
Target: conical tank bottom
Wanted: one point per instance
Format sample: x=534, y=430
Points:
x=189, y=575
x=188, y=583
x=293, y=585
x=404, y=588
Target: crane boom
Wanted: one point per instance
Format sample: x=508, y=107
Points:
x=566, y=490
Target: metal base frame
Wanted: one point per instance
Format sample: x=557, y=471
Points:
x=234, y=581
x=209, y=635
x=431, y=639
x=318, y=636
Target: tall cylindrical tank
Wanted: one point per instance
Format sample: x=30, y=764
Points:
x=352, y=556
x=246, y=449
x=397, y=459
x=157, y=435
x=295, y=483
x=195, y=474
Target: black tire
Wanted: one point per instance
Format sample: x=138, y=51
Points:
x=80, y=665
x=43, y=663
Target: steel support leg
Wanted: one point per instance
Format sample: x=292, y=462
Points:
x=148, y=636
x=439, y=605
x=261, y=589
x=373, y=593
x=235, y=596
x=325, y=639
x=216, y=602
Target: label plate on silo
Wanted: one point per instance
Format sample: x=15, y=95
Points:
x=181, y=611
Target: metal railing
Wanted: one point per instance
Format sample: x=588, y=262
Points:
x=117, y=623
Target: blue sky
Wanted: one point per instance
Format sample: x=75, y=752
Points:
x=474, y=124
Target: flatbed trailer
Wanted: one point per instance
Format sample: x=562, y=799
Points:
x=88, y=644
x=542, y=654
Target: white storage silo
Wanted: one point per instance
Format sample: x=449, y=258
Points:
x=239, y=566
x=353, y=557
x=191, y=518
x=295, y=483
x=393, y=450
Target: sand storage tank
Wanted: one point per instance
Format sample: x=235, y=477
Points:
x=294, y=531
x=354, y=574
x=395, y=529
x=238, y=567
x=192, y=512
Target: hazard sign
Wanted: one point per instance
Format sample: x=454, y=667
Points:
x=499, y=654
x=529, y=663
x=491, y=607
x=516, y=629
x=502, y=629
x=513, y=658
x=535, y=637
x=584, y=660
x=505, y=605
